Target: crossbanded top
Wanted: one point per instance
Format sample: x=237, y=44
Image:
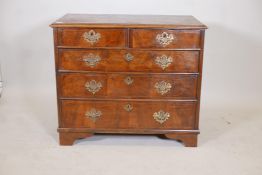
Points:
x=134, y=21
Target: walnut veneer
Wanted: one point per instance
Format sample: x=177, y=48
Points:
x=128, y=74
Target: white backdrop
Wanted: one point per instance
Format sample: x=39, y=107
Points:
x=231, y=109
x=232, y=60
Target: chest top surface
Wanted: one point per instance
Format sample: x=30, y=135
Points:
x=137, y=21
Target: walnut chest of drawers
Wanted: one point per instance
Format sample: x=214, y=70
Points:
x=128, y=74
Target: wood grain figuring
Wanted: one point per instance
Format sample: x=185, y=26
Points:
x=145, y=84
x=114, y=85
x=108, y=38
x=144, y=38
x=114, y=115
x=114, y=60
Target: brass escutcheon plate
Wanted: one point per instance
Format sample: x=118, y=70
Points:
x=128, y=107
x=128, y=80
x=129, y=57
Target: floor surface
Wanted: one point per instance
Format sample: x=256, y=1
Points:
x=230, y=143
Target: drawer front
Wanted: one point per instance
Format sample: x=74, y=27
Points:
x=128, y=85
x=128, y=60
x=92, y=38
x=180, y=39
x=90, y=114
x=126, y=114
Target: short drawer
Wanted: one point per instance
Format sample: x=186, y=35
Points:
x=87, y=38
x=154, y=38
x=79, y=85
x=99, y=114
x=128, y=60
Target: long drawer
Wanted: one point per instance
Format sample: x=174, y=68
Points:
x=116, y=85
x=128, y=114
x=128, y=60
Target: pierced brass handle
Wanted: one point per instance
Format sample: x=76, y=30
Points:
x=129, y=57
x=93, y=86
x=128, y=107
x=163, y=87
x=92, y=37
x=163, y=61
x=91, y=60
x=161, y=116
x=164, y=38
x=93, y=114
x=128, y=80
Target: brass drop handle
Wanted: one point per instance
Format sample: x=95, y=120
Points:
x=163, y=87
x=91, y=60
x=92, y=37
x=165, y=39
x=93, y=86
x=161, y=116
x=163, y=61
x=93, y=114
